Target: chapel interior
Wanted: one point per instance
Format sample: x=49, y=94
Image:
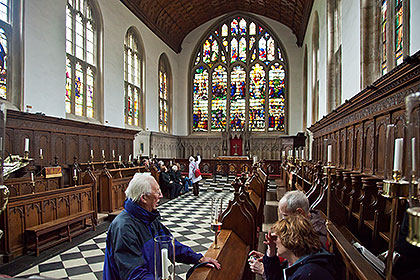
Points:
x=321, y=96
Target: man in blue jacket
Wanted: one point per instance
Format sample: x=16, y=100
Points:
x=129, y=246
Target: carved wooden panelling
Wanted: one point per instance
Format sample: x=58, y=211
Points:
x=381, y=123
x=64, y=138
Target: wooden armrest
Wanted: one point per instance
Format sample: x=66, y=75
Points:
x=232, y=255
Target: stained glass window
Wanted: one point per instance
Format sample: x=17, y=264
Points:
x=219, y=96
x=81, y=58
x=4, y=46
x=399, y=32
x=132, y=78
x=239, y=79
x=164, y=94
x=3, y=63
x=384, y=9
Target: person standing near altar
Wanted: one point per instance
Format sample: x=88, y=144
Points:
x=194, y=173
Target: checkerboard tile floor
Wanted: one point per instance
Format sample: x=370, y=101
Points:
x=187, y=217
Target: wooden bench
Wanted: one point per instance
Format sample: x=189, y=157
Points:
x=35, y=242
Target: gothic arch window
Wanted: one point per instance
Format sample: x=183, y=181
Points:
x=10, y=51
x=165, y=82
x=133, y=77
x=82, y=58
x=239, y=78
x=315, y=69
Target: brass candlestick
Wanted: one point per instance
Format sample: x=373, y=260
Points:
x=413, y=236
x=26, y=155
x=395, y=189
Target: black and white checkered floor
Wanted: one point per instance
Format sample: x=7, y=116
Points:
x=187, y=217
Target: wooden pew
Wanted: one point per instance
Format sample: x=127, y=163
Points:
x=235, y=241
x=113, y=183
x=23, y=186
x=24, y=213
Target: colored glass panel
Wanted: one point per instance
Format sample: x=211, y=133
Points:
x=251, y=42
x=242, y=26
x=68, y=86
x=163, y=102
x=234, y=27
x=215, y=51
x=234, y=50
x=3, y=63
x=279, y=54
x=254, y=55
x=242, y=49
x=399, y=36
x=89, y=93
x=237, y=98
x=79, y=90
x=200, y=99
x=276, y=108
x=262, y=47
x=384, y=10
x=260, y=29
x=224, y=30
x=216, y=32
x=219, y=95
x=206, y=51
x=257, y=98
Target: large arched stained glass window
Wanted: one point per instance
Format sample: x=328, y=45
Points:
x=239, y=79
x=81, y=49
x=132, y=78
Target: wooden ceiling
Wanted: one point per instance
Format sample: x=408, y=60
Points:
x=172, y=20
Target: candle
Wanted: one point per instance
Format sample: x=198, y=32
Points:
x=296, y=153
x=91, y=153
x=399, y=142
x=129, y=158
x=254, y=159
x=413, y=154
x=74, y=172
x=26, y=144
x=302, y=154
x=103, y=153
x=329, y=153
x=40, y=152
x=119, y=158
x=165, y=263
x=283, y=153
x=113, y=153
x=32, y=176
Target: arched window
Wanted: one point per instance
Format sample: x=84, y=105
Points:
x=133, y=73
x=239, y=79
x=164, y=94
x=10, y=50
x=81, y=59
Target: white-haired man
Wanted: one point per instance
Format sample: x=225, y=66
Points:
x=129, y=250
x=292, y=202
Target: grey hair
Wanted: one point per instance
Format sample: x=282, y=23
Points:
x=174, y=168
x=295, y=200
x=139, y=185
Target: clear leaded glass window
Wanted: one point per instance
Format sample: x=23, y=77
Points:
x=164, y=94
x=5, y=29
x=239, y=79
x=132, y=78
x=81, y=58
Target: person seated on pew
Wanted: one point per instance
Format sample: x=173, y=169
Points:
x=146, y=163
x=175, y=175
x=294, y=239
x=129, y=252
x=293, y=202
x=166, y=182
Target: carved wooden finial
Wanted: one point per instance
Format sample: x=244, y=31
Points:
x=236, y=184
x=55, y=160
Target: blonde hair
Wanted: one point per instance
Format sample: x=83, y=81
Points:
x=297, y=235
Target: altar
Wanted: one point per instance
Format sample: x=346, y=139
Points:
x=233, y=157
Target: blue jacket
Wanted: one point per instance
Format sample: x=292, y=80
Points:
x=315, y=266
x=130, y=247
